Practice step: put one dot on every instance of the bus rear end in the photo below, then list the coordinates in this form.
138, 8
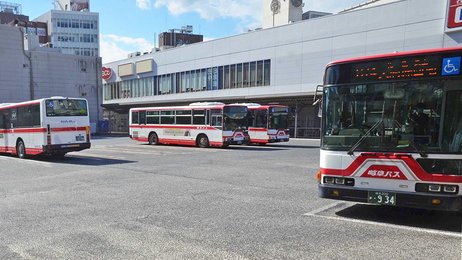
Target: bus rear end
67, 125
269, 124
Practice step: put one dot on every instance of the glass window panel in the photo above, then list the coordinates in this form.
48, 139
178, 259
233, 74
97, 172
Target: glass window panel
267, 73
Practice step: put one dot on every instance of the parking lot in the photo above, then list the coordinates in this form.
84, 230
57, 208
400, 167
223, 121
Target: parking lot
123, 199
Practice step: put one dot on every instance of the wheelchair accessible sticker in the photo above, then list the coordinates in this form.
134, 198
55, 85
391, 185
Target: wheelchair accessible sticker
451, 66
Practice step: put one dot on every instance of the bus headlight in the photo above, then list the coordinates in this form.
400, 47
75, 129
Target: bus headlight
450, 189
434, 188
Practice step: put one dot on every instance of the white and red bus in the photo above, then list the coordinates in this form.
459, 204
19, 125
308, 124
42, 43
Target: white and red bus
392, 130
269, 123
199, 124
49, 126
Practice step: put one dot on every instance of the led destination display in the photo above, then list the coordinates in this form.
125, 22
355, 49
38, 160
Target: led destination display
402, 68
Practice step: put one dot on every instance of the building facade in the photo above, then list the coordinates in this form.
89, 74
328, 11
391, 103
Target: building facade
283, 64
74, 32
28, 71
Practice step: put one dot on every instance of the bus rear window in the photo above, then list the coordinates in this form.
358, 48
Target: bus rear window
66, 107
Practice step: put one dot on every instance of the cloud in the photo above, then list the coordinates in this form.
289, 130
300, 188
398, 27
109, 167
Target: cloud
115, 47
213, 9
143, 4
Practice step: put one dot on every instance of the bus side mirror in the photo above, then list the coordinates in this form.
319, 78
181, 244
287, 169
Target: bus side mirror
317, 99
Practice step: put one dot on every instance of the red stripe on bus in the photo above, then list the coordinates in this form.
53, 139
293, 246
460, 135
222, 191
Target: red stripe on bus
20, 105
257, 129
24, 130
173, 126
260, 141
413, 165
12, 150
68, 129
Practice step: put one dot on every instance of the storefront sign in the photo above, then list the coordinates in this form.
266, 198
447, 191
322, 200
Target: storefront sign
106, 73
454, 17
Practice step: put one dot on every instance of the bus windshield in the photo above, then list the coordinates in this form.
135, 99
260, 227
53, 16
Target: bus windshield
279, 118
66, 107
405, 116
235, 117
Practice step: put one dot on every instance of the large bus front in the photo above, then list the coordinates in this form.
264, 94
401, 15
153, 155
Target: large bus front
67, 125
392, 132
235, 124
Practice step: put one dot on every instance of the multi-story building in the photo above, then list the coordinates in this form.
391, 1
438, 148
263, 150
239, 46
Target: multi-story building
10, 13
281, 64
73, 28
178, 37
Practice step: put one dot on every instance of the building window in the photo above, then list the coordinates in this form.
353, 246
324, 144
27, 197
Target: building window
249, 74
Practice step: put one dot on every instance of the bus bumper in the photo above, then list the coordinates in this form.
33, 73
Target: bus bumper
65, 148
230, 140
410, 200
277, 140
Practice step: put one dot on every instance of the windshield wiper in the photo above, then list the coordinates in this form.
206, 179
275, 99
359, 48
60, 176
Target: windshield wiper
364, 137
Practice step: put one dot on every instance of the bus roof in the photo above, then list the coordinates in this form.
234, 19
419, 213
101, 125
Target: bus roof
395, 54
195, 106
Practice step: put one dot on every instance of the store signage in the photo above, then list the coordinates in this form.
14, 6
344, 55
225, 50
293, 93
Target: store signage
106, 73
454, 14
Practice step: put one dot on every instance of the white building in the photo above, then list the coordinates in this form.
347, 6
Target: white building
73, 28
28, 72
283, 64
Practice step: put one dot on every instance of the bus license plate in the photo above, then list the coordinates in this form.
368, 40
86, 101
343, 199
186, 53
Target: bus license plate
382, 198
79, 138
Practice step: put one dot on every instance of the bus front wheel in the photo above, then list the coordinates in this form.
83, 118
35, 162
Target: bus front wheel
153, 139
21, 149
203, 141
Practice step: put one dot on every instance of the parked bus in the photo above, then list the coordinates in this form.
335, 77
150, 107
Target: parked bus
392, 130
51, 126
199, 124
269, 123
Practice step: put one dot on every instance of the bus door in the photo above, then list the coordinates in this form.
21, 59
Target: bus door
3, 135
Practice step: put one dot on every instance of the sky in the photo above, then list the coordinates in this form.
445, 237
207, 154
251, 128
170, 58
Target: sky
133, 25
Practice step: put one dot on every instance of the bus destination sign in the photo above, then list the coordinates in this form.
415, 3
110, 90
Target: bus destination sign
401, 68
396, 69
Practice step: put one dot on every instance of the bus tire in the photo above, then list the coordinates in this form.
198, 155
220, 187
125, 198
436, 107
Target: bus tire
202, 141
21, 149
153, 138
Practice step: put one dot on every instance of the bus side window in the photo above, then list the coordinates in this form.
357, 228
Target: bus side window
135, 119
142, 118
13, 118
2, 121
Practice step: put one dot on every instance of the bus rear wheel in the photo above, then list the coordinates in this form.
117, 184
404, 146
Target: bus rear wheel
153, 139
21, 149
203, 141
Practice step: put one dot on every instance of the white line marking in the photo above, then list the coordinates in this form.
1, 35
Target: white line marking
416, 229
325, 208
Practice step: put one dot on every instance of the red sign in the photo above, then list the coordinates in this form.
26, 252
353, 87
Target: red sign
107, 73
384, 172
455, 14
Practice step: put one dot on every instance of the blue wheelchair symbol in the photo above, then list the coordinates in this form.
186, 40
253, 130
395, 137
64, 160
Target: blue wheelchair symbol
451, 66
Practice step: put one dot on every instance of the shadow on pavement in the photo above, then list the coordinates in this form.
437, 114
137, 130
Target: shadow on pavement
86, 161
427, 219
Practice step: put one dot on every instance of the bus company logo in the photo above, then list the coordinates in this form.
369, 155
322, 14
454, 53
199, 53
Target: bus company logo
384, 172
106, 73
454, 14
67, 121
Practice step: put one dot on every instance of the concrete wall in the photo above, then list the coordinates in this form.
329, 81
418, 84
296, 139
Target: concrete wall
53, 73
14, 66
